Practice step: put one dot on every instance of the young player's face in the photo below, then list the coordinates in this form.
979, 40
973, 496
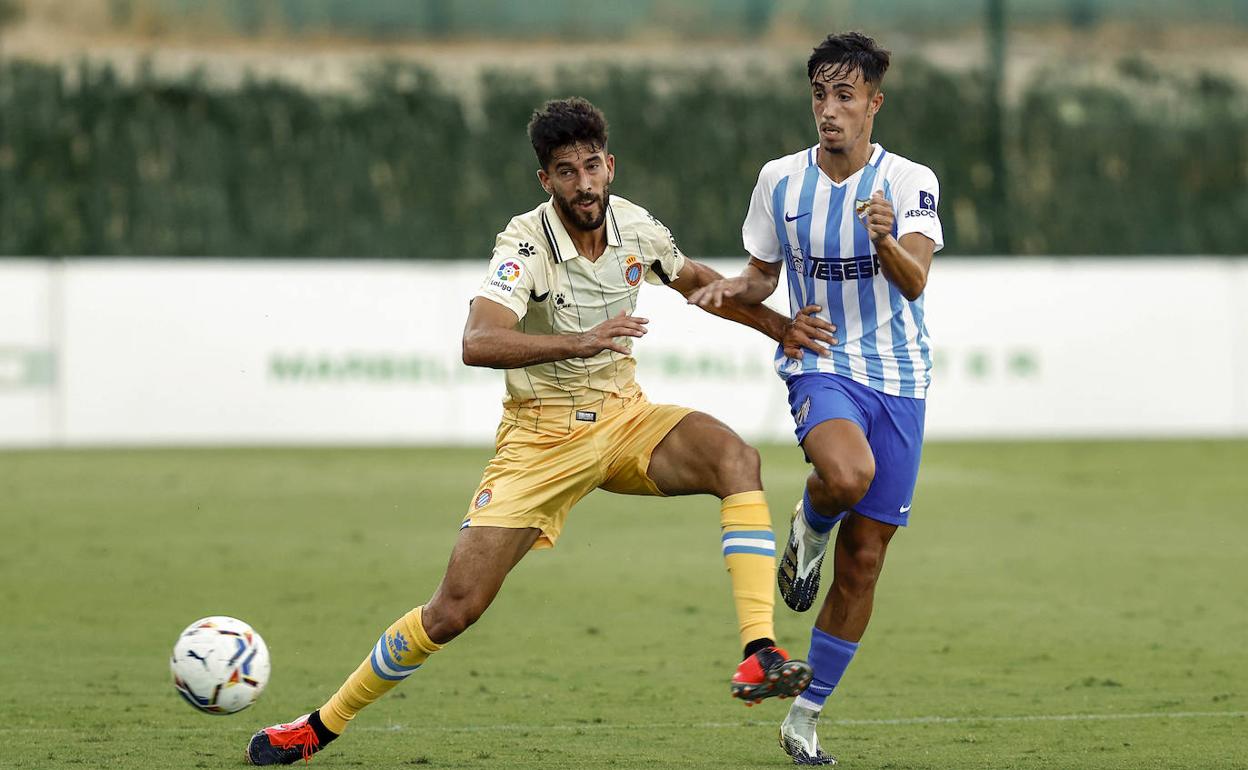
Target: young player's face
579, 178
844, 106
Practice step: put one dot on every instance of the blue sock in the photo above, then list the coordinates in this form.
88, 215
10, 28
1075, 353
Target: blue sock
829, 657
817, 521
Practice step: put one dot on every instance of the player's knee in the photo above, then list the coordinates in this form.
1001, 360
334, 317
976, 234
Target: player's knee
844, 484
446, 620
739, 469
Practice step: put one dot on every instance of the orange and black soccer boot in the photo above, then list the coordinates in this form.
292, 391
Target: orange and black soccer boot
289, 743
768, 673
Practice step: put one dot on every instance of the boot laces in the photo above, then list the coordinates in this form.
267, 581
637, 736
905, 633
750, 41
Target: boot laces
301, 736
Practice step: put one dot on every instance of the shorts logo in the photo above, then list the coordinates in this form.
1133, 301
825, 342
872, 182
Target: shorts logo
803, 412
483, 499
585, 416
634, 271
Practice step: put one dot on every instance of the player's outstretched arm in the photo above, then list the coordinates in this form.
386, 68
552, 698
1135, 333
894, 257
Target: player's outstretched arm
741, 298
492, 340
755, 284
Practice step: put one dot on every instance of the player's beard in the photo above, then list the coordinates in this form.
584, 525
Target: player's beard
579, 219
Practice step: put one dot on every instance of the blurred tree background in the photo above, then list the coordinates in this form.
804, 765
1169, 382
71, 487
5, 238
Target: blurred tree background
412, 163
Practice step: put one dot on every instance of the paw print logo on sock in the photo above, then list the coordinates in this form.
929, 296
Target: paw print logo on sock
526, 250
398, 645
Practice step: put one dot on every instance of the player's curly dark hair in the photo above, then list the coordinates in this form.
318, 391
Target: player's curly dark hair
847, 52
563, 122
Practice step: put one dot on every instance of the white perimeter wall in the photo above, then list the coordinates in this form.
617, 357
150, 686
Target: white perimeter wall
218, 352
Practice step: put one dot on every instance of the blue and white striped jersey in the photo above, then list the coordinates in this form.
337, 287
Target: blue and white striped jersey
798, 214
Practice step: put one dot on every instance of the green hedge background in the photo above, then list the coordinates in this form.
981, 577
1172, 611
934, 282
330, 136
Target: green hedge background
95, 164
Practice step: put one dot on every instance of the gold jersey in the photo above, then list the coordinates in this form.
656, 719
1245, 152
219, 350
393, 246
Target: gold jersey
537, 273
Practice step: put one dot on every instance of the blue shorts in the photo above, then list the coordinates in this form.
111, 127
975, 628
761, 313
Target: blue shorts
893, 426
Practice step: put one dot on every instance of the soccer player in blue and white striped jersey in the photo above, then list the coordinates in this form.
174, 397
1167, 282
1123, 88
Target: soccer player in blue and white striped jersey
855, 227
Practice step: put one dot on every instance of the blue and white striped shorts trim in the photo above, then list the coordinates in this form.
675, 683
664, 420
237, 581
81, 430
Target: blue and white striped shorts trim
387, 667
760, 542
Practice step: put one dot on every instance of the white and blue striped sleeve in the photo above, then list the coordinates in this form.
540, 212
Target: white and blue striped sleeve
758, 232
916, 195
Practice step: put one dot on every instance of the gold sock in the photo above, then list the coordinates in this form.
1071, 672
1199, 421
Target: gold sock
750, 553
399, 652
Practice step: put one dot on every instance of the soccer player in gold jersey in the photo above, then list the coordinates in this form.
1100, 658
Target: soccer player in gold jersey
556, 312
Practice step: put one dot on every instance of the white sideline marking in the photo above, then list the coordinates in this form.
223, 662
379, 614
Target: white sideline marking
841, 722
703, 725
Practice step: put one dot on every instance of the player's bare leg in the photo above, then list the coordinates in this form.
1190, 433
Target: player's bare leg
860, 548
480, 561
479, 564
701, 455
844, 468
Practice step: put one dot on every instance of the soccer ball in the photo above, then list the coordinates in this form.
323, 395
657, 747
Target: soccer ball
220, 665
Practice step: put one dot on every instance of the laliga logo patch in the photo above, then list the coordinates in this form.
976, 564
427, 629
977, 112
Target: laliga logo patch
483, 499
509, 271
633, 271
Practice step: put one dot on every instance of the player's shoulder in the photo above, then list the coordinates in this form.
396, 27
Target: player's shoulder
527, 237
778, 168
527, 224
899, 168
631, 217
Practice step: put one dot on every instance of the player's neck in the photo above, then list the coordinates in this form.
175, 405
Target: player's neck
590, 244
840, 166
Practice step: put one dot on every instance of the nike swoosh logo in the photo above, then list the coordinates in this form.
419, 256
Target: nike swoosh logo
788, 218
540, 297
906, 509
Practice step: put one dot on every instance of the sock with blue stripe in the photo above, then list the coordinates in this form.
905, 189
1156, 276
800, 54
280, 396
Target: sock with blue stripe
816, 520
829, 657
397, 654
750, 553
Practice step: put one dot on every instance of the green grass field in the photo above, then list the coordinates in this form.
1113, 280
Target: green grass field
1052, 605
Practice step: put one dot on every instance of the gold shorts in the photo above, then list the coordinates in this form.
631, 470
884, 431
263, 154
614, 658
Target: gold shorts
547, 459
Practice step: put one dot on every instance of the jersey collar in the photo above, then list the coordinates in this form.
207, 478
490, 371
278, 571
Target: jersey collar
561, 246
877, 156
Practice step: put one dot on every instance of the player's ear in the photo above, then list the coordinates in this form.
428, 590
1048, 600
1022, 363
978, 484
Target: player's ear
610, 168
877, 101
544, 180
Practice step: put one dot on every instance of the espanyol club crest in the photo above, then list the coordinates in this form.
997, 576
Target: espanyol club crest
633, 270
509, 271
483, 499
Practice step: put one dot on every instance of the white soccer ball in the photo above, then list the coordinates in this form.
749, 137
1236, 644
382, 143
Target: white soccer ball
220, 665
